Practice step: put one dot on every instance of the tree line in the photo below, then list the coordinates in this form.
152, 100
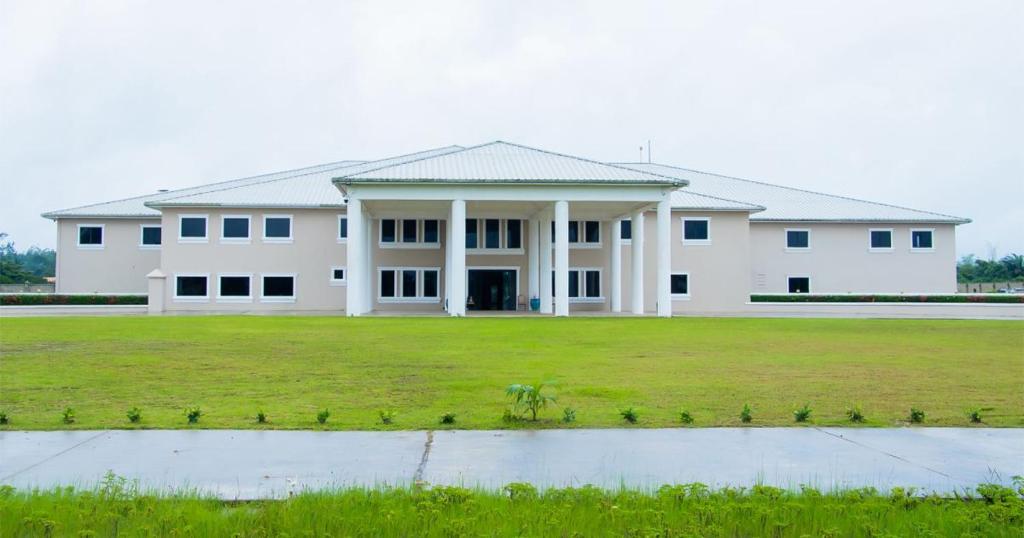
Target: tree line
28, 267
1008, 268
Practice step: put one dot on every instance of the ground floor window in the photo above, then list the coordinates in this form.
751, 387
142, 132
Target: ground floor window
338, 276
191, 287
278, 288
408, 284
234, 288
680, 285
584, 285
799, 284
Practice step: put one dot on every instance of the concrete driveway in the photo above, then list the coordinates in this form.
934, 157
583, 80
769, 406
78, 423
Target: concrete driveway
245, 464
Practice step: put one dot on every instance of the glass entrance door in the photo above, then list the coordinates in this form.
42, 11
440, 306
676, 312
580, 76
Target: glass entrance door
491, 289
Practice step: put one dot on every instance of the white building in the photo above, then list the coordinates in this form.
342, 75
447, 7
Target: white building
491, 227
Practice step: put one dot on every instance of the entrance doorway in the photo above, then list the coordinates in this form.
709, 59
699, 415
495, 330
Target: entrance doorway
491, 289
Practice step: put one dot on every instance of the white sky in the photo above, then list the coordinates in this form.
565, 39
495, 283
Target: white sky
913, 103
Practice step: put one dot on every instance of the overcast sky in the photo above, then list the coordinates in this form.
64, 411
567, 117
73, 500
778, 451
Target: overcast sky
913, 103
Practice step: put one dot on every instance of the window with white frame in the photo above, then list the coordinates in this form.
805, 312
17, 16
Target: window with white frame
582, 233
191, 287
339, 276
192, 229
798, 239
342, 228
880, 239
235, 228
150, 236
277, 228
626, 231
921, 239
409, 233
679, 285
584, 285
90, 236
696, 230
277, 288
408, 284
799, 284
234, 287
494, 236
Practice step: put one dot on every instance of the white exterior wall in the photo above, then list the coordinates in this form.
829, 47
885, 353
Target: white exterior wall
314, 250
119, 267
839, 260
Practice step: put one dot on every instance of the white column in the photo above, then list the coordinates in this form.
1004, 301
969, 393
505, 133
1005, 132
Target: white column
448, 260
616, 265
354, 259
457, 299
545, 265
561, 258
664, 246
533, 259
637, 265
368, 294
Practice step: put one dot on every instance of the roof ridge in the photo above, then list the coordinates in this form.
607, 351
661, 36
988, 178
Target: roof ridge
687, 190
966, 220
495, 142
230, 187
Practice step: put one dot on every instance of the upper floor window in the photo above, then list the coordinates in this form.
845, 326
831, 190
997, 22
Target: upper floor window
880, 239
409, 233
277, 228
150, 236
626, 230
235, 229
697, 230
90, 236
921, 239
582, 233
342, 228
798, 239
192, 229
494, 235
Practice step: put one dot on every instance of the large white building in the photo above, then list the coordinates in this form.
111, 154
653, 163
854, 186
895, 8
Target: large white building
491, 227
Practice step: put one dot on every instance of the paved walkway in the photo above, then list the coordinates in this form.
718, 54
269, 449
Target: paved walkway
242, 464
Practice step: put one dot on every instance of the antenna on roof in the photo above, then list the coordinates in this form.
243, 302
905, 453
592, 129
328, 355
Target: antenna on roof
641, 153
648, 151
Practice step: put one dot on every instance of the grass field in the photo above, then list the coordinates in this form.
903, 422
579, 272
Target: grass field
293, 366
517, 511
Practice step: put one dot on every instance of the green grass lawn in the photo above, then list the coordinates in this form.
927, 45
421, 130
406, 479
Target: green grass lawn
293, 366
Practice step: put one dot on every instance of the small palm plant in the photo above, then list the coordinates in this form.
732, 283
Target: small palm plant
802, 414
68, 416
532, 398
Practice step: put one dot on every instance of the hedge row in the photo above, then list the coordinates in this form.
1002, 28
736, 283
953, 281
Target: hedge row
47, 299
807, 298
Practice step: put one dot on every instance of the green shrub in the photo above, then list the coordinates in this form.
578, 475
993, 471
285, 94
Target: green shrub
68, 415
685, 417
530, 398
193, 414
855, 414
517, 491
568, 415
746, 414
630, 415
261, 417
802, 414
4, 419
916, 415
974, 415
134, 415
387, 416
323, 415
37, 299
448, 418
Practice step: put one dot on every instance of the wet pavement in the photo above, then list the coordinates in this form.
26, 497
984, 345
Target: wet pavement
245, 464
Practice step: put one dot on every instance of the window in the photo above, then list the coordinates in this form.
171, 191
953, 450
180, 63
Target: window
190, 287
409, 284
234, 288
471, 235
880, 239
90, 236
582, 234
278, 288
799, 284
430, 231
338, 276
626, 230
149, 236
492, 233
514, 234
496, 236
234, 229
342, 228
574, 231
696, 231
584, 285
921, 239
387, 230
277, 228
592, 231
798, 239
679, 285
409, 231
192, 228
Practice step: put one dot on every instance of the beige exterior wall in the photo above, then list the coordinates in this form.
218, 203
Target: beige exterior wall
314, 250
839, 260
119, 267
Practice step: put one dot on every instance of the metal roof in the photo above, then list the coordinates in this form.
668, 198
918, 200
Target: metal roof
687, 199
786, 204
503, 162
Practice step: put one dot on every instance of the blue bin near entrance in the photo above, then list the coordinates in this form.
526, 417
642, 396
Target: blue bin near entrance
535, 304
